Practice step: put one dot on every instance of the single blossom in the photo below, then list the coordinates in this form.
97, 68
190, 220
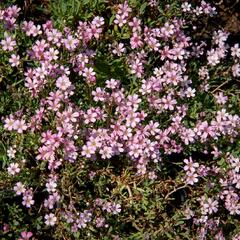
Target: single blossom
50, 219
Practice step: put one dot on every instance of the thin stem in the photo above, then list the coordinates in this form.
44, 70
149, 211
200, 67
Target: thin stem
174, 190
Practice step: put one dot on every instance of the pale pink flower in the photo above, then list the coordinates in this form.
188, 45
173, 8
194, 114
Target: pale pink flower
168, 102
235, 50
50, 219
14, 60
19, 188
112, 83
210, 206
98, 21
191, 178
119, 49
187, 135
221, 98
87, 151
120, 20
236, 70
8, 43
132, 119
116, 208
52, 54
51, 186
9, 123
63, 83
106, 152
20, 126
136, 41
25, 235
88, 72
70, 43
13, 168
190, 165
28, 200
188, 213
135, 24
94, 31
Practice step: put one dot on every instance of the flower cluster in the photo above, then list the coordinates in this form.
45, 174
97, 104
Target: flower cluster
164, 98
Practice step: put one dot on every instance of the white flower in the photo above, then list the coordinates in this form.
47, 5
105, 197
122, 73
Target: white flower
235, 50
50, 219
186, 7
190, 92
11, 152
116, 208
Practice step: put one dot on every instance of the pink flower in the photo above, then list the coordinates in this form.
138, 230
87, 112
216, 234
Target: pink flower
88, 72
99, 95
210, 206
191, 178
51, 186
25, 235
27, 200
187, 135
190, 92
31, 29
168, 102
133, 101
136, 41
63, 83
94, 31
120, 20
52, 54
132, 119
186, 7
190, 165
54, 36
13, 168
91, 116
11, 152
20, 126
87, 151
98, 21
9, 123
14, 60
106, 152
119, 49
137, 68
235, 51
70, 43
8, 43
6, 228
124, 8
135, 24
220, 98
19, 188
236, 70
116, 208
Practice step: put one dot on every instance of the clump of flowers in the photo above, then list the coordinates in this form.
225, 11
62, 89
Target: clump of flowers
105, 106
